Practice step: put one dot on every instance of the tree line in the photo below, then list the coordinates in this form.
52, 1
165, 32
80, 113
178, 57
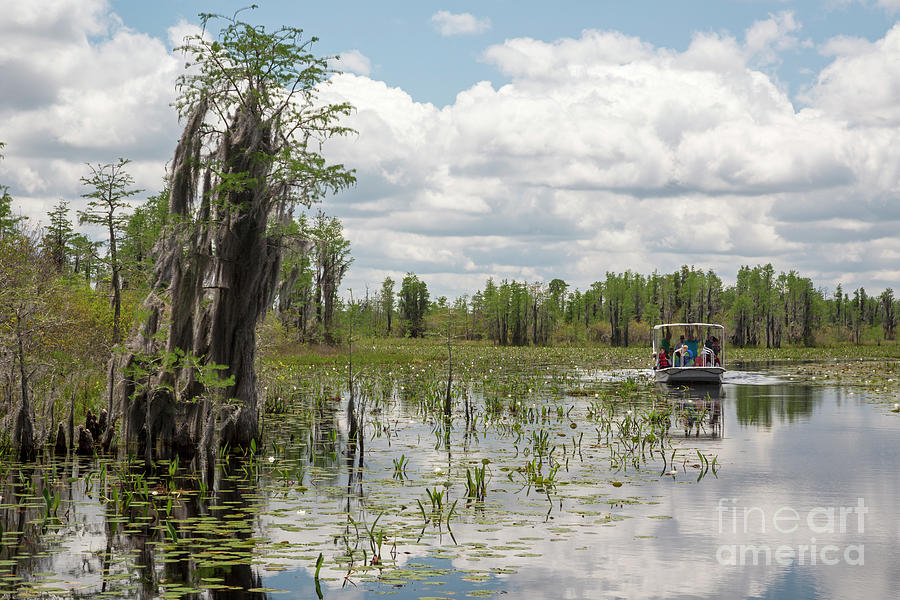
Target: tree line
762, 308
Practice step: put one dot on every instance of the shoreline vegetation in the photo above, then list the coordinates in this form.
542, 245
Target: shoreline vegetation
377, 350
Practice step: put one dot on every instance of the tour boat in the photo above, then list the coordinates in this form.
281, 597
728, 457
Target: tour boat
694, 356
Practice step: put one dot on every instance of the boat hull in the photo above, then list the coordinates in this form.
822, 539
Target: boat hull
690, 375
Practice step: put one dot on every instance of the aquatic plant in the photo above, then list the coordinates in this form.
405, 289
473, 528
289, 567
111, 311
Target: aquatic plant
476, 482
400, 465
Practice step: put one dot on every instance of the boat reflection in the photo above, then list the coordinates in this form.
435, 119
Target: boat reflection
697, 409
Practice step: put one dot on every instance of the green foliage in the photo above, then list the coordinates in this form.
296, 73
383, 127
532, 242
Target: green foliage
207, 374
316, 258
56, 327
762, 308
275, 76
387, 303
109, 185
400, 465
413, 303
58, 235
142, 229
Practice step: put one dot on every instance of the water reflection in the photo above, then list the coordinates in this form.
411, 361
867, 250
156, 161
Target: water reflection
760, 406
697, 409
629, 533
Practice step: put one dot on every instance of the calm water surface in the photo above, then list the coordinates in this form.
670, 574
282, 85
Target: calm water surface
803, 504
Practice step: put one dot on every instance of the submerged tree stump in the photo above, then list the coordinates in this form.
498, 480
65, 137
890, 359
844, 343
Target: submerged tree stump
85, 446
61, 447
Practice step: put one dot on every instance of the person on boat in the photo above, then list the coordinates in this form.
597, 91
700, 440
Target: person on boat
692, 345
662, 359
708, 353
666, 344
716, 347
683, 356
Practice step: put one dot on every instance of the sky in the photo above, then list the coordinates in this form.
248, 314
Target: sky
520, 139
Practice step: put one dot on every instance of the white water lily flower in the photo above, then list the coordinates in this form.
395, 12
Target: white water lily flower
438, 470
301, 512
271, 459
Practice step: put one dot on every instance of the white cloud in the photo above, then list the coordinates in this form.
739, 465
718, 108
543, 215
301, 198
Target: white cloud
765, 39
606, 153
354, 61
862, 84
449, 24
181, 30
85, 89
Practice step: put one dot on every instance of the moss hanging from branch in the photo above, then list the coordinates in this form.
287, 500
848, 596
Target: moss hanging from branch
248, 156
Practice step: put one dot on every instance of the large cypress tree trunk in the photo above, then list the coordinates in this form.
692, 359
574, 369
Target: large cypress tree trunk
215, 278
252, 123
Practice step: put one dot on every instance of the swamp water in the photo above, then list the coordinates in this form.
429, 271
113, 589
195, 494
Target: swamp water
594, 485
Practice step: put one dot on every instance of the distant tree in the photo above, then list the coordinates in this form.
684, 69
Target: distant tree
413, 303
888, 316
296, 282
558, 289
110, 185
85, 256
461, 307
58, 235
332, 261
26, 320
142, 229
387, 301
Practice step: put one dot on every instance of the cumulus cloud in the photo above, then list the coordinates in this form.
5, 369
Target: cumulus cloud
179, 32
607, 153
86, 89
449, 24
764, 40
354, 61
862, 83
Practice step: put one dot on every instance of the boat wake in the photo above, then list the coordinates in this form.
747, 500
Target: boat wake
750, 378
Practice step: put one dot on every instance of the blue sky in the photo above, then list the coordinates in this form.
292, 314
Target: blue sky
407, 51
521, 139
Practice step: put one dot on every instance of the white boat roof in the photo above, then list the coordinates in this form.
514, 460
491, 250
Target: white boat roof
688, 325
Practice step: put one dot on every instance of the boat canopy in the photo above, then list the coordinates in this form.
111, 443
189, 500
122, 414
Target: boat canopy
694, 336
664, 325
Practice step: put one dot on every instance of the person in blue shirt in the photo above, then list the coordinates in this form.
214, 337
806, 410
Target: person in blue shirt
683, 356
692, 345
